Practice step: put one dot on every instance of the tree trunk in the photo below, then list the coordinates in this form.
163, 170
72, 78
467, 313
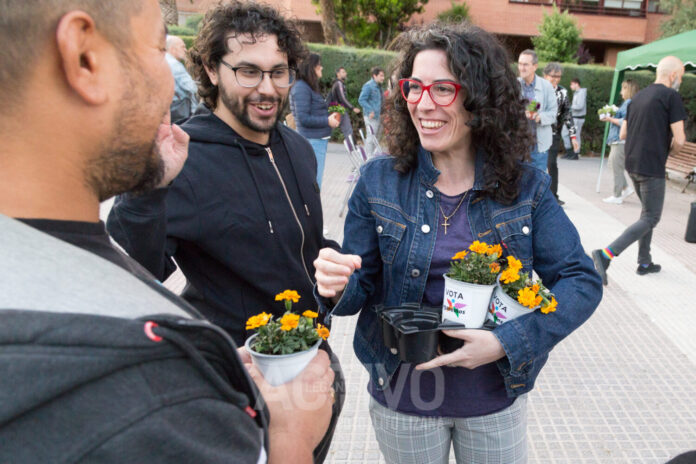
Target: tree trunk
328, 21
169, 11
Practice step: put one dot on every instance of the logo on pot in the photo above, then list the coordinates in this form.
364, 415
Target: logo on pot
453, 306
497, 310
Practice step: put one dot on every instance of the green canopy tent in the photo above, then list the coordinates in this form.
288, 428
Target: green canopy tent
683, 46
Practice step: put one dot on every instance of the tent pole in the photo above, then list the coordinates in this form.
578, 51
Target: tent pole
618, 76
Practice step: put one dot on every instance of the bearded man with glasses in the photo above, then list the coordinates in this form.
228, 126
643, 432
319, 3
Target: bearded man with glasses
243, 219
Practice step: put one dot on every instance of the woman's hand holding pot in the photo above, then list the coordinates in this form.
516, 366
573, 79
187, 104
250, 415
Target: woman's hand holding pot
332, 271
480, 347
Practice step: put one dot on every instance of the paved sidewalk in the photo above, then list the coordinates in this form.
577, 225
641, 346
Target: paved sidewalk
622, 388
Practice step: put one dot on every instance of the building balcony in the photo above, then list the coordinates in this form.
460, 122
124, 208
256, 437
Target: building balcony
631, 8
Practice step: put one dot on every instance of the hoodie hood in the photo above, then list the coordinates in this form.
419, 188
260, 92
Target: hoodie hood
208, 128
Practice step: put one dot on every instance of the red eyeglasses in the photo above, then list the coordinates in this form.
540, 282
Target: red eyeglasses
441, 93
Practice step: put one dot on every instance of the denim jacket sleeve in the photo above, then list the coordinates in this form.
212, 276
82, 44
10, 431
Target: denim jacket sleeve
560, 261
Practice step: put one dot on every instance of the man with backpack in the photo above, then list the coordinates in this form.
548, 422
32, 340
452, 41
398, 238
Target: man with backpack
337, 95
100, 362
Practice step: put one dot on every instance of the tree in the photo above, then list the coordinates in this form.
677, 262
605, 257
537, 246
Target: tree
366, 23
169, 11
559, 37
683, 16
456, 14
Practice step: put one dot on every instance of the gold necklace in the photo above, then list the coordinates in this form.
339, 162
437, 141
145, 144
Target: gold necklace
447, 218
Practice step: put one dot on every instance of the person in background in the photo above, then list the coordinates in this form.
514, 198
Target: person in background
312, 118
553, 73
579, 109
541, 121
653, 129
87, 375
459, 143
185, 89
617, 154
370, 100
337, 94
243, 219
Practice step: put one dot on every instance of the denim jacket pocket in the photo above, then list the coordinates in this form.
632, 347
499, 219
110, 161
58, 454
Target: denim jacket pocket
389, 234
516, 234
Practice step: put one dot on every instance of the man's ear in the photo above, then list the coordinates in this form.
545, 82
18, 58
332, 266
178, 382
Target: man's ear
81, 51
212, 74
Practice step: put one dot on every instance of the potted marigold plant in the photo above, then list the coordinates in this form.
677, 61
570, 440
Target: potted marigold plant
469, 284
283, 346
336, 108
517, 294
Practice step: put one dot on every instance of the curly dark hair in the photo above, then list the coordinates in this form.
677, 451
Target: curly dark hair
491, 94
237, 18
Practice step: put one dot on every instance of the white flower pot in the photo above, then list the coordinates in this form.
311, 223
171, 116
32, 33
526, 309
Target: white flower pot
278, 369
466, 303
504, 308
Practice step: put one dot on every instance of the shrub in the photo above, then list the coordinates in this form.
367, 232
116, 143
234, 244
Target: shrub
188, 40
181, 30
194, 22
456, 14
559, 37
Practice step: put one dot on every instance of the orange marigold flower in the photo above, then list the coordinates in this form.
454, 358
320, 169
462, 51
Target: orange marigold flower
493, 249
528, 298
535, 288
551, 307
310, 314
479, 247
291, 295
254, 322
495, 268
459, 255
289, 321
322, 331
509, 276
514, 263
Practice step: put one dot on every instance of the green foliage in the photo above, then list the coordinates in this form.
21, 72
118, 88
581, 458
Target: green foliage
559, 37
188, 40
476, 267
181, 30
683, 17
272, 339
358, 62
194, 22
456, 14
373, 23
598, 79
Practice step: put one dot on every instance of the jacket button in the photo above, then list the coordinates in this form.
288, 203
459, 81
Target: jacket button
415, 273
425, 228
380, 229
429, 193
380, 381
394, 351
525, 230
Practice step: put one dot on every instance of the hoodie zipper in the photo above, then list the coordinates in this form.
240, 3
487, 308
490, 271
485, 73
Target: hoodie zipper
294, 213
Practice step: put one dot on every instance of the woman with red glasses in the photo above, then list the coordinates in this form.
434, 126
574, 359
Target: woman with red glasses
458, 140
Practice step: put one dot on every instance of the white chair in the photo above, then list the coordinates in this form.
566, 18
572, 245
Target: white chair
375, 142
357, 159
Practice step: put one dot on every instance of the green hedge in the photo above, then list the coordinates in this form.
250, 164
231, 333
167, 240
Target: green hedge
597, 80
358, 63
188, 40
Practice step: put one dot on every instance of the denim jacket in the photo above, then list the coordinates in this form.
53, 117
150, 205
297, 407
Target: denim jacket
391, 224
613, 128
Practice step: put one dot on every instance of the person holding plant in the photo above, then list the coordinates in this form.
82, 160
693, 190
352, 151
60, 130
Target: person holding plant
617, 154
311, 111
457, 174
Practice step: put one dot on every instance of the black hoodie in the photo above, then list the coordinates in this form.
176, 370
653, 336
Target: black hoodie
242, 220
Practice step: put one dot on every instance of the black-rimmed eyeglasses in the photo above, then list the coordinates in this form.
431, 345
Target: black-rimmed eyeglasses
251, 76
441, 93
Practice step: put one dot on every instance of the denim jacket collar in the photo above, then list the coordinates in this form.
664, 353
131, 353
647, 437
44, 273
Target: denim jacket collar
429, 173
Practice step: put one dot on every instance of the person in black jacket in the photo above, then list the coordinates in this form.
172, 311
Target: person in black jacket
100, 363
243, 219
337, 94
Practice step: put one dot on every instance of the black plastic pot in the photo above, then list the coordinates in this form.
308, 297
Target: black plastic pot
417, 338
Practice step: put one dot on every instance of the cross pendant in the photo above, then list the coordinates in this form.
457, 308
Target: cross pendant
446, 224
